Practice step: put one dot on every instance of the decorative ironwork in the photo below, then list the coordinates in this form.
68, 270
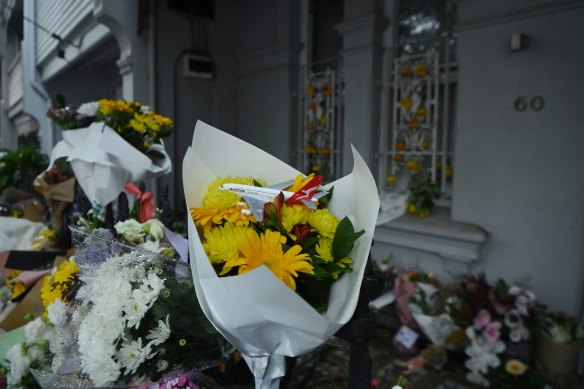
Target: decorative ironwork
322, 123
414, 135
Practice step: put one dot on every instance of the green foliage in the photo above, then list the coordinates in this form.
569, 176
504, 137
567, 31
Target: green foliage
422, 194
344, 240
19, 168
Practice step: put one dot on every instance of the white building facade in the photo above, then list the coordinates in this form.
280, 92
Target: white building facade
516, 201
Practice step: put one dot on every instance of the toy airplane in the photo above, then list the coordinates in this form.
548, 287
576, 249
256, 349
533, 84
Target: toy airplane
256, 196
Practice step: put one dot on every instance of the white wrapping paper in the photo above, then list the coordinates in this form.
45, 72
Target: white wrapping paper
103, 162
255, 311
17, 234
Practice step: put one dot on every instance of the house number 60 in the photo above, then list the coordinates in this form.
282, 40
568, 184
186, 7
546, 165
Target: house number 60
536, 104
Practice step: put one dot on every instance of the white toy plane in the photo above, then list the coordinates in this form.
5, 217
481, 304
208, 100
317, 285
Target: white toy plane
256, 196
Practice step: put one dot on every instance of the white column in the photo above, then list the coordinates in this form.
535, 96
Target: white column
361, 55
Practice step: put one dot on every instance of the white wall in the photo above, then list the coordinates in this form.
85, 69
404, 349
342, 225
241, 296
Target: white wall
518, 174
268, 55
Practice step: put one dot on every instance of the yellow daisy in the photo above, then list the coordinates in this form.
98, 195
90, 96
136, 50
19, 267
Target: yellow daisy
515, 367
207, 217
220, 244
266, 249
324, 222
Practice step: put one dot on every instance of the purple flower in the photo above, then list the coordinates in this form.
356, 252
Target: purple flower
482, 319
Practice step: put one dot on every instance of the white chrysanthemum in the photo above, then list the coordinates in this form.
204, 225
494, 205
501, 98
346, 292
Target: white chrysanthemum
156, 229
135, 309
19, 364
132, 230
96, 339
152, 286
159, 334
132, 355
57, 312
36, 329
88, 109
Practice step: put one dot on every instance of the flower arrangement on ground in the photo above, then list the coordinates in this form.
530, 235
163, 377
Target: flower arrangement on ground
257, 310
485, 320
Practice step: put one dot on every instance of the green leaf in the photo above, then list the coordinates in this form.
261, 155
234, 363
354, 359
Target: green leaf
344, 239
61, 102
256, 183
308, 243
326, 199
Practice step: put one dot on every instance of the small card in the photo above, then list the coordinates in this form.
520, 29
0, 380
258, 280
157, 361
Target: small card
406, 336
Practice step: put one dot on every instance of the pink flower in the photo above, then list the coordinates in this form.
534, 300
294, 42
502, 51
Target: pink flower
482, 319
499, 307
493, 331
375, 382
182, 382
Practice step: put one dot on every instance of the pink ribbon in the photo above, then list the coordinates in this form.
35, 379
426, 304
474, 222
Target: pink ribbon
147, 208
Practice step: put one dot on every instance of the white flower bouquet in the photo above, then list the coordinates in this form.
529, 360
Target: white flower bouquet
120, 319
121, 145
258, 313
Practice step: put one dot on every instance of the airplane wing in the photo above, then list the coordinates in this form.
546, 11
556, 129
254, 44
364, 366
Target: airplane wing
256, 206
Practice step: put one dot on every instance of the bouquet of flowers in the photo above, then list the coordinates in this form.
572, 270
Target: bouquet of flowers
494, 317
560, 327
115, 315
120, 143
271, 253
57, 184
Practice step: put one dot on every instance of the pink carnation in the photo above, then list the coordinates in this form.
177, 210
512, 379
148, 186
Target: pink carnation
493, 331
482, 319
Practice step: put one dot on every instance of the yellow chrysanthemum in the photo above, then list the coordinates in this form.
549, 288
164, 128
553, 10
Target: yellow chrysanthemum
107, 107
65, 270
17, 287
515, 367
222, 199
48, 293
294, 214
324, 222
324, 249
221, 245
341, 263
53, 288
300, 181
138, 124
266, 249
